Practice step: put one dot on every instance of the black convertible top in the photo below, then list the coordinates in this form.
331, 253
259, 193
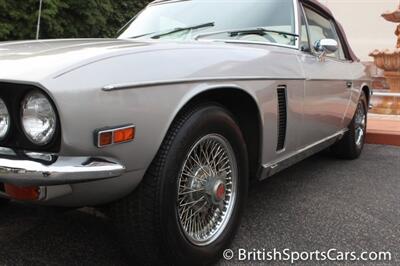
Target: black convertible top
324, 10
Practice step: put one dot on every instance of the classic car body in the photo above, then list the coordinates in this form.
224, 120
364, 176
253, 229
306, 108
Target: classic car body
98, 84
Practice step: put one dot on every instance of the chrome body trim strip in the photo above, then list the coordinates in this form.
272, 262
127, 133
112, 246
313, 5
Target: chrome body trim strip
344, 80
61, 171
386, 94
251, 42
133, 85
296, 23
272, 168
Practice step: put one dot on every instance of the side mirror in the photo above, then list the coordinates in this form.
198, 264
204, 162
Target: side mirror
326, 46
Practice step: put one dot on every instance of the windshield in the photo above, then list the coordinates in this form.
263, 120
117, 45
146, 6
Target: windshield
186, 19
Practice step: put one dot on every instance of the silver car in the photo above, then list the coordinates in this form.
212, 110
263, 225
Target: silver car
165, 127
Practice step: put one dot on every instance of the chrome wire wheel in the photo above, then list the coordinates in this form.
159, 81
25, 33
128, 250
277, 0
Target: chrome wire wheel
207, 188
360, 125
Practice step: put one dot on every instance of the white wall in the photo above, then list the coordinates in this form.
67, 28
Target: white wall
364, 26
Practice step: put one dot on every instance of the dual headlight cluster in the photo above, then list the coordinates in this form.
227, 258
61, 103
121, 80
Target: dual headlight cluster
38, 118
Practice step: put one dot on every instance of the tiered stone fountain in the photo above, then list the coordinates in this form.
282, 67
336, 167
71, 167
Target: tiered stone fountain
388, 102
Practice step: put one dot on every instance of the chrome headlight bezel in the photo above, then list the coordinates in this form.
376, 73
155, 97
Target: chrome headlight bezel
4, 107
36, 105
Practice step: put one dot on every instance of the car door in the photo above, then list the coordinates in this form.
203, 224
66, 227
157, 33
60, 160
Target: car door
328, 80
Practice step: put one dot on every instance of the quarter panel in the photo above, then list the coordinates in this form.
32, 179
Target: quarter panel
362, 78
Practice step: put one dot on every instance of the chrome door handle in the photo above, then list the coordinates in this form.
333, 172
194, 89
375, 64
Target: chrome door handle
349, 84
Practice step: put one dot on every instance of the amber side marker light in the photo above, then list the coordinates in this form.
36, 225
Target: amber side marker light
22, 193
115, 136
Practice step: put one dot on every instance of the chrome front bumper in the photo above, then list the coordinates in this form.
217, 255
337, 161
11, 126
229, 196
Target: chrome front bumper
37, 169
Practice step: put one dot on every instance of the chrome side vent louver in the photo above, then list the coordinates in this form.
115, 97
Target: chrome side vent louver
282, 116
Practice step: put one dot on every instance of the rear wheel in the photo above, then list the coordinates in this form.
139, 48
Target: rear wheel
352, 144
187, 208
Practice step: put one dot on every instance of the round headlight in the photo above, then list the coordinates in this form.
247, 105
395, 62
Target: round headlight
39, 119
4, 119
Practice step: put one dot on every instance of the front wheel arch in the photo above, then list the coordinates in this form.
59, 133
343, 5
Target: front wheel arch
244, 108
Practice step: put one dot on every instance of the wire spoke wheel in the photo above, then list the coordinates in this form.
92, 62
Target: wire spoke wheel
188, 207
207, 189
360, 125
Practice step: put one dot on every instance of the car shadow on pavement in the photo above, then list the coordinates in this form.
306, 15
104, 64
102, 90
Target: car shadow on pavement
32, 235
320, 203
40, 235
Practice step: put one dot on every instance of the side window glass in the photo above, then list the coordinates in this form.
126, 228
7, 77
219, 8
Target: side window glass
341, 54
305, 40
322, 28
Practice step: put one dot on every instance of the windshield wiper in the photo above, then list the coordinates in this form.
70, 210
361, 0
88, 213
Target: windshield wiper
157, 35
200, 26
142, 35
259, 31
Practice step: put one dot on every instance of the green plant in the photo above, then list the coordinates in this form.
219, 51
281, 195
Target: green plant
65, 18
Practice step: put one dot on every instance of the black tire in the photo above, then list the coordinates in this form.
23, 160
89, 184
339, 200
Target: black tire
349, 147
147, 220
4, 202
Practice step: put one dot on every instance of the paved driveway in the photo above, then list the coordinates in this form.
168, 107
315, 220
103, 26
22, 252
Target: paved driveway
319, 204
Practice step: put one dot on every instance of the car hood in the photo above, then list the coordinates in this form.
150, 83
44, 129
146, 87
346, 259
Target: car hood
33, 61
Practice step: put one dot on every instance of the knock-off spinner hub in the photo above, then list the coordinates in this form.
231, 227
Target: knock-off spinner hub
206, 183
216, 190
